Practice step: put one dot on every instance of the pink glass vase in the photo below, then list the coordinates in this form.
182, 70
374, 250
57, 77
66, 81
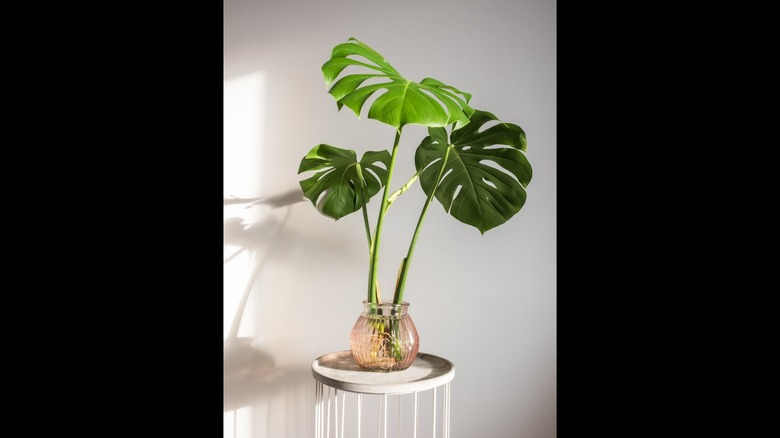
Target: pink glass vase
384, 337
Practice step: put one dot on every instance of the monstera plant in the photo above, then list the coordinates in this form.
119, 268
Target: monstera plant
471, 162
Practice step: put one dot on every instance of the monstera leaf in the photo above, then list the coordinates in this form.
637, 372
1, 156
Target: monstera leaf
429, 102
486, 172
343, 185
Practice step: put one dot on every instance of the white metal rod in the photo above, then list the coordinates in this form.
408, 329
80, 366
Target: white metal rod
384, 399
317, 386
379, 417
446, 414
343, 411
443, 411
327, 423
415, 414
359, 403
322, 414
433, 435
399, 415
336, 414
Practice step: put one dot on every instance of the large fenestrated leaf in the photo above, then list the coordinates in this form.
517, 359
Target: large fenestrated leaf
336, 189
486, 172
400, 101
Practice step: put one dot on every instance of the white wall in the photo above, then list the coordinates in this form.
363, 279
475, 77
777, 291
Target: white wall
487, 303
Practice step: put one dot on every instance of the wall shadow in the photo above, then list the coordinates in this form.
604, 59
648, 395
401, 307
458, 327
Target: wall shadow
266, 236
251, 376
250, 372
276, 401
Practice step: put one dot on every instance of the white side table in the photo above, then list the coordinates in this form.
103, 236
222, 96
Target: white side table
337, 376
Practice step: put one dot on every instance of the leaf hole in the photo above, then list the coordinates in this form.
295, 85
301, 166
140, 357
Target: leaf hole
494, 165
489, 182
322, 198
497, 146
436, 99
457, 192
454, 197
427, 165
446, 174
489, 124
371, 171
379, 164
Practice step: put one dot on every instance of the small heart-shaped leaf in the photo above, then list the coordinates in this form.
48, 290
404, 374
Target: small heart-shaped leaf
342, 184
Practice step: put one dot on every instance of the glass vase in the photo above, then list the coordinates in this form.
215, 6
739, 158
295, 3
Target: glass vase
384, 337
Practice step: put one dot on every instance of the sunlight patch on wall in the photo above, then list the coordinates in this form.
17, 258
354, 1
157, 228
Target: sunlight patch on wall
236, 423
244, 119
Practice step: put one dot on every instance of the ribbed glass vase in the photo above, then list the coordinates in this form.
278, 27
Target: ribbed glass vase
384, 337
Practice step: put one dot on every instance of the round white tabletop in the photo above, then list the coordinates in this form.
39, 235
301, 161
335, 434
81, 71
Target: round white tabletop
339, 370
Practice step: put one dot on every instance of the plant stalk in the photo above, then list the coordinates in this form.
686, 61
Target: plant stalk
398, 297
372, 271
400, 191
363, 201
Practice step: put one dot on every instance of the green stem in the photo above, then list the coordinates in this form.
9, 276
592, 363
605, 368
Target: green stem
400, 191
372, 270
364, 196
401, 282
